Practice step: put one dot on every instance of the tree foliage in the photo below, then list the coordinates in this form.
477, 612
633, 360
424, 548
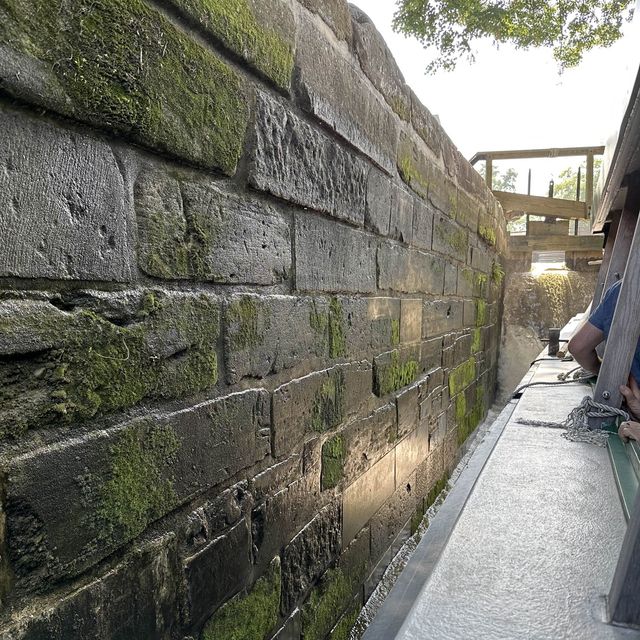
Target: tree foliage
569, 27
501, 181
566, 184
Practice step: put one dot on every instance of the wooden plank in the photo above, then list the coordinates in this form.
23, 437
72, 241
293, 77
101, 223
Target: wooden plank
538, 205
551, 152
588, 190
622, 246
606, 259
555, 243
624, 595
623, 335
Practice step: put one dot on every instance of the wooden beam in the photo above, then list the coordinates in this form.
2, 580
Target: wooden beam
588, 189
606, 259
624, 595
558, 152
623, 335
555, 243
537, 205
622, 246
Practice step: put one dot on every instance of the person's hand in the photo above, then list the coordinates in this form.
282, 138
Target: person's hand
629, 430
631, 394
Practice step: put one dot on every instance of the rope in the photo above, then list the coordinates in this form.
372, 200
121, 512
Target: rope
577, 422
552, 383
578, 374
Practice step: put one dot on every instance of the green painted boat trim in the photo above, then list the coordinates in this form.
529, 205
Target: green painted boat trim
624, 471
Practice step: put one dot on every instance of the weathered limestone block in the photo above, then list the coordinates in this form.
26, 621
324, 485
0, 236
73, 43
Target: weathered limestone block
260, 339
480, 258
449, 238
469, 313
363, 443
397, 511
330, 258
422, 224
317, 403
309, 555
443, 193
468, 214
335, 13
379, 65
366, 495
114, 483
355, 560
408, 409
401, 223
378, 210
252, 614
450, 279
138, 598
127, 69
431, 355
298, 163
426, 125
441, 316
333, 89
414, 164
411, 320
189, 229
163, 345
261, 32
409, 270
396, 369
76, 181
218, 572
411, 451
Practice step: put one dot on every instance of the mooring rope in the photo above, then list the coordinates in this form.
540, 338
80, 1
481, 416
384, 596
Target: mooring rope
577, 422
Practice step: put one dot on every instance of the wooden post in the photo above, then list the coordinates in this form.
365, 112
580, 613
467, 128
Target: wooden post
606, 258
624, 595
624, 237
488, 172
588, 187
625, 329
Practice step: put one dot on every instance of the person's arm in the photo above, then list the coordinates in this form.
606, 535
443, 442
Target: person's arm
629, 431
583, 347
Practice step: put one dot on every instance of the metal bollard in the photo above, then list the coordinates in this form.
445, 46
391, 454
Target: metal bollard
554, 342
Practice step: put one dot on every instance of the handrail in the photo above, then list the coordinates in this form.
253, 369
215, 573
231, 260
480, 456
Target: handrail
524, 154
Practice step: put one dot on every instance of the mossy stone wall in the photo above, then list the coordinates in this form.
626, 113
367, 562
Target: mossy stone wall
250, 298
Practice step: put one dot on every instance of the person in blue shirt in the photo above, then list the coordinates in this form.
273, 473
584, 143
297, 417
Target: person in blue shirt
583, 348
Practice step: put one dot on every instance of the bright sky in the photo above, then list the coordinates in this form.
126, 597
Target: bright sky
514, 99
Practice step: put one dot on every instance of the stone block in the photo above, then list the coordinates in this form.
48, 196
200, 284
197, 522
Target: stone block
259, 339
411, 451
480, 259
150, 82
113, 483
76, 181
218, 572
396, 512
333, 89
317, 403
331, 258
309, 555
292, 628
366, 441
366, 495
190, 228
408, 410
441, 316
449, 238
429, 473
252, 614
411, 320
300, 164
260, 32
409, 270
469, 313
335, 13
396, 369
105, 352
379, 65
355, 560
401, 221
378, 210
414, 163
138, 598
468, 212
466, 282
431, 355
450, 279
426, 125
422, 224
443, 193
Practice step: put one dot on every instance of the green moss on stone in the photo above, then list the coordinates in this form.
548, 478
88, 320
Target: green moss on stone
318, 320
497, 272
396, 374
461, 408
462, 376
395, 332
325, 605
481, 313
329, 403
138, 491
234, 23
333, 454
487, 234
337, 338
401, 107
417, 517
476, 341
342, 631
436, 490
252, 616
412, 175
243, 317
124, 67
